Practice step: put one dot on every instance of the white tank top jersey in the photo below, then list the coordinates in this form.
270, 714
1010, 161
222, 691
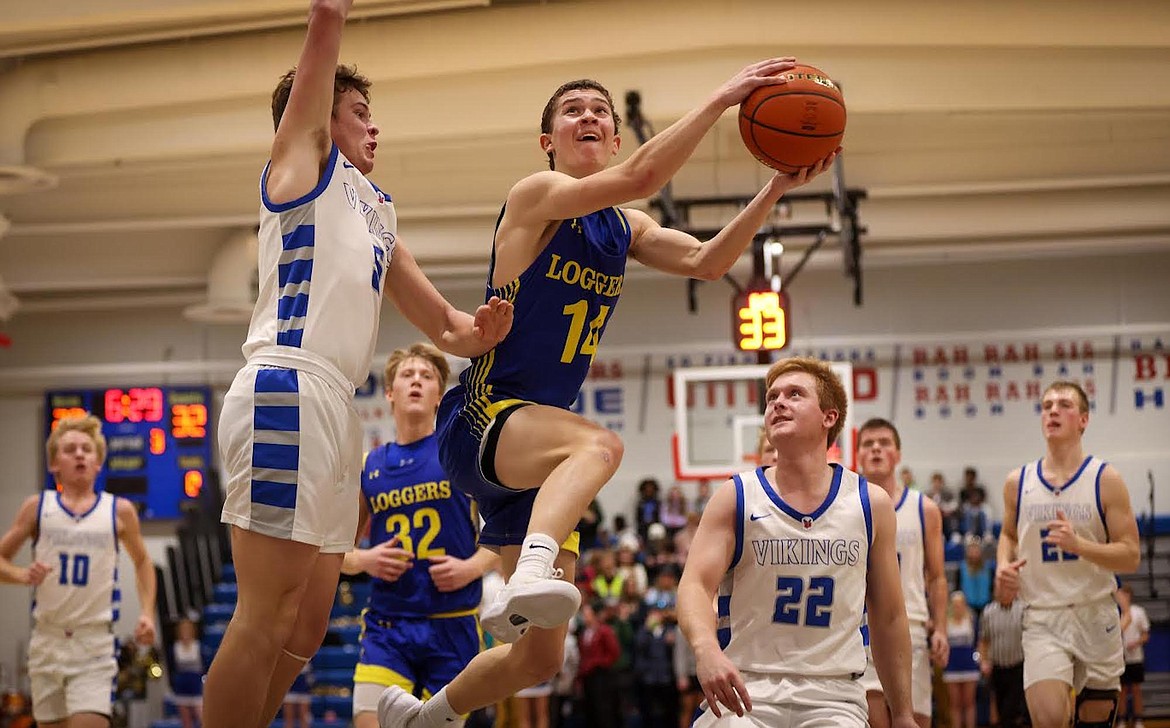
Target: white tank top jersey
912, 554
1053, 578
81, 590
322, 262
793, 598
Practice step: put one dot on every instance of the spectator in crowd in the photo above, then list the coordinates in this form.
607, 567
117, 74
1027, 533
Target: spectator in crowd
907, 476
975, 576
607, 584
974, 518
664, 593
971, 486
624, 535
624, 618
944, 498
1135, 632
1001, 651
648, 509
531, 705
682, 539
633, 573
654, 665
674, 511
599, 650
701, 498
962, 671
565, 684
686, 675
590, 525
659, 551
187, 678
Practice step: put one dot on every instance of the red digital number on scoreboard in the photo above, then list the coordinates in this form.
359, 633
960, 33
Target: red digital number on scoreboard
138, 404
188, 420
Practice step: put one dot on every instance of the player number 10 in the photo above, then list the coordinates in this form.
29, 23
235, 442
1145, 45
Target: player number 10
580, 311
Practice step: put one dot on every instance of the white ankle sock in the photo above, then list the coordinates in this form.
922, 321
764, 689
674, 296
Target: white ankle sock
536, 556
438, 712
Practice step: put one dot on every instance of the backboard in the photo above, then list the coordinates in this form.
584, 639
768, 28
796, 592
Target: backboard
718, 413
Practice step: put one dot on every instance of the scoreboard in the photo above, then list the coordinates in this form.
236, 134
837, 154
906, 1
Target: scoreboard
158, 442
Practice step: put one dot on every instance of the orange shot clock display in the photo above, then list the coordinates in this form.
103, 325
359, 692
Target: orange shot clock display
760, 320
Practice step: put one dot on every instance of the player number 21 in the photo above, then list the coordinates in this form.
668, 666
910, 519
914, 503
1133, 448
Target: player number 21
398, 525
579, 312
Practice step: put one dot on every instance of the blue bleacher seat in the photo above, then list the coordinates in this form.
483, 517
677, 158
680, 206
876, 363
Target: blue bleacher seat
168, 723
343, 706
226, 593
215, 613
212, 636
342, 657
229, 573
338, 678
348, 634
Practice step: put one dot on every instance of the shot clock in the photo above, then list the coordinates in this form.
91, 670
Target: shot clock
759, 320
158, 441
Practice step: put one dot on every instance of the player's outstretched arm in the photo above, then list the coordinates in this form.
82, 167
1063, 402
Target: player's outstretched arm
711, 553
674, 251
936, 582
554, 196
130, 534
1122, 553
303, 139
1007, 569
889, 629
21, 530
453, 331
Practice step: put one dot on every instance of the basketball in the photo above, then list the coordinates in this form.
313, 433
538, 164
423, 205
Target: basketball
796, 124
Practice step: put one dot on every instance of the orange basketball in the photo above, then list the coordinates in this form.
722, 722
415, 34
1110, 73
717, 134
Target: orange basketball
796, 124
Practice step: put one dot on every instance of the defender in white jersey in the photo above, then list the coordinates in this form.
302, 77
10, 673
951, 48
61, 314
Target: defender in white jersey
75, 533
921, 564
1068, 528
784, 563
289, 436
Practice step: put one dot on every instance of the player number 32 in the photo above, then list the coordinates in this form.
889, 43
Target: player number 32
399, 525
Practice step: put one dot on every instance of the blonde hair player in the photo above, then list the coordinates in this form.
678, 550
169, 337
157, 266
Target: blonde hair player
420, 628
506, 434
1068, 528
921, 565
288, 434
784, 564
74, 574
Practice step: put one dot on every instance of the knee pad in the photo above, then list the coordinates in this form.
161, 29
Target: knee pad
1095, 695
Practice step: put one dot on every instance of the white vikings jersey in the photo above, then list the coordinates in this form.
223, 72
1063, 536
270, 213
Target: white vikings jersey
82, 551
792, 601
1053, 578
323, 260
912, 554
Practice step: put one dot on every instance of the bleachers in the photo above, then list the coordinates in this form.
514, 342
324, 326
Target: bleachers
332, 667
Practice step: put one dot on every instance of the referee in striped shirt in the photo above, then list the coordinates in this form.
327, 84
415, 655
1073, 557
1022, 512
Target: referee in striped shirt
1001, 652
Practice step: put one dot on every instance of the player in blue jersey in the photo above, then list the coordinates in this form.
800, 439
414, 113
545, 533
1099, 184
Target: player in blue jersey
506, 435
74, 572
1068, 529
796, 552
420, 628
289, 437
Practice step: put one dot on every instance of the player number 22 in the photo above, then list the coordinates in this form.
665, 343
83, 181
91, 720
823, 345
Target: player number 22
816, 600
399, 525
579, 312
